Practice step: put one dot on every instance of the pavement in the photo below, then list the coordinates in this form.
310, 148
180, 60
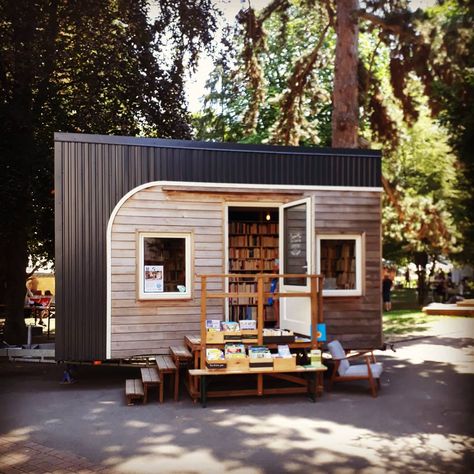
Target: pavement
422, 420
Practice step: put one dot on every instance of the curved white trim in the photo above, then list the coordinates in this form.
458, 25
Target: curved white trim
230, 186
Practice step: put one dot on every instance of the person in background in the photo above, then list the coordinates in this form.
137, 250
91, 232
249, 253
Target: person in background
275, 302
386, 289
441, 288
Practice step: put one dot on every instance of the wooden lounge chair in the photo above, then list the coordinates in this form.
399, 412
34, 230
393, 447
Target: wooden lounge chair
344, 371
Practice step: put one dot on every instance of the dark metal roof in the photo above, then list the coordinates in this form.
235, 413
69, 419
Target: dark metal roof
93, 172
198, 145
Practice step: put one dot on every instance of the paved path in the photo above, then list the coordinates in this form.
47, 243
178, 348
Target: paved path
422, 421
19, 455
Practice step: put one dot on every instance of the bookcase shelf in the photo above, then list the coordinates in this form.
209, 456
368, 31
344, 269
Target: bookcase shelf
338, 265
253, 248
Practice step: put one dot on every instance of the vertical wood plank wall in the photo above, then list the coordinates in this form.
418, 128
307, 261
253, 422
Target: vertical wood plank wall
356, 321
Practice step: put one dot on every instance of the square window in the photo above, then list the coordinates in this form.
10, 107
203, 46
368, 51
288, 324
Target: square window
339, 260
164, 266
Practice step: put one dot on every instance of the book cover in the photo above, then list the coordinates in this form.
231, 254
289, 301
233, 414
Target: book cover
259, 352
230, 326
248, 324
284, 351
234, 351
213, 324
214, 354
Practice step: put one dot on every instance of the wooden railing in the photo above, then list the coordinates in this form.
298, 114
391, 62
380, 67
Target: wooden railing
315, 294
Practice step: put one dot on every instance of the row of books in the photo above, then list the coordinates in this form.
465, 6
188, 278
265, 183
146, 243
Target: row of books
253, 228
251, 265
242, 312
337, 250
253, 241
214, 325
253, 252
238, 351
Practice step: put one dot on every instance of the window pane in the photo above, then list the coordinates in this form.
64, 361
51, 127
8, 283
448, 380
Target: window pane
164, 265
295, 260
338, 264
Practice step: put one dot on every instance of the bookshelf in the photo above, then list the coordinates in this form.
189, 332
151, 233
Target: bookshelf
253, 249
338, 264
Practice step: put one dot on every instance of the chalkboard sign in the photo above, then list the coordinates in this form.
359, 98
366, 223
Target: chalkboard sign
295, 249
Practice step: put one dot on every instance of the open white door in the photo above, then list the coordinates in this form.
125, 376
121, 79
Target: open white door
296, 256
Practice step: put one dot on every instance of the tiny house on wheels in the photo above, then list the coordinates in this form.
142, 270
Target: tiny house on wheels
138, 218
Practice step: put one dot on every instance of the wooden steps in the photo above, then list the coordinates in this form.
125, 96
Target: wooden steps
181, 357
166, 366
134, 390
150, 378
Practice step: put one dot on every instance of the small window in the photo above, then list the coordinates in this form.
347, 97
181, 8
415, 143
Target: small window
164, 266
340, 261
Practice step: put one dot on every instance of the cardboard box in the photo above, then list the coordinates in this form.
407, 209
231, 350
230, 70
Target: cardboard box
241, 363
280, 363
215, 337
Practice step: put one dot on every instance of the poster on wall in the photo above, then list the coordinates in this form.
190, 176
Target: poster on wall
154, 279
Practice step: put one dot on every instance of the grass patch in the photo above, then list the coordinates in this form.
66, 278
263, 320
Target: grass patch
406, 321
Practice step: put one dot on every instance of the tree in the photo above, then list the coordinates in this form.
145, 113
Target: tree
92, 67
409, 64
345, 114
294, 78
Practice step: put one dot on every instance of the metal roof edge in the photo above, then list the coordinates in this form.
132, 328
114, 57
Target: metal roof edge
210, 146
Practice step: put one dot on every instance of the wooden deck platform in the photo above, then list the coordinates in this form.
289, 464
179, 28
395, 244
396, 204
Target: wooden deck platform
443, 309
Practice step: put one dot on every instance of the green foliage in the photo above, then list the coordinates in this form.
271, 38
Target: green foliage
89, 67
406, 323
454, 93
287, 38
82, 66
408, 60
423, 172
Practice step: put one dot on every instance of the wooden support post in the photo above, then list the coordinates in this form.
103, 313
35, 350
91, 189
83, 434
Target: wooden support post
314, 311
260, 384
203, 320
260, 308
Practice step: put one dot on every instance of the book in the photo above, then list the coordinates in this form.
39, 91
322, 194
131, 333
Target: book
234, 350
248, 324
214, 354
213, 325
259, 352
284, 352
230, 326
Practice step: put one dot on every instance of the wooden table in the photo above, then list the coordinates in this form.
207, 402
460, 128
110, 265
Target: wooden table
310, 385
193, 343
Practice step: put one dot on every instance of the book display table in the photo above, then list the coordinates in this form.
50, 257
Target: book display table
262, 373
308, 383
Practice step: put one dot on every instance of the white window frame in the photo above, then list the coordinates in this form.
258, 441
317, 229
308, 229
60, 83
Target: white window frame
170, 295
357, 291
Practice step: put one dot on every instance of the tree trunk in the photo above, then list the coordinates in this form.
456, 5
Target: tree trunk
16, 261
17, 143
345, 113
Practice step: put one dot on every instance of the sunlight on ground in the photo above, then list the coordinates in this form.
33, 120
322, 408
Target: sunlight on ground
463, 363
318, 443
174, 459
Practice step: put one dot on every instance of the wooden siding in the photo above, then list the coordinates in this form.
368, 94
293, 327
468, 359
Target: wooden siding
356, 321
144, 327
150, 327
